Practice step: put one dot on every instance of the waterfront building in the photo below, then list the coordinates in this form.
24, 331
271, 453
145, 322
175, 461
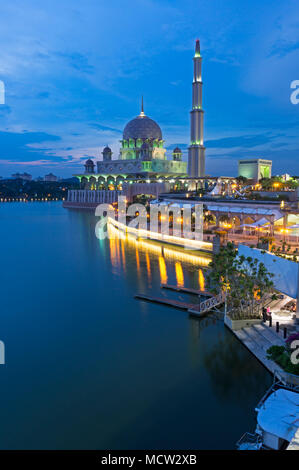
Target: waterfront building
50, 177
255, 169
286, 177
22, 176
142, 158
196, 151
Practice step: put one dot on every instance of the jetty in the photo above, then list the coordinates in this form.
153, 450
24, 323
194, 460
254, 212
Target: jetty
208, 305
169, 302
187, 290
199, 310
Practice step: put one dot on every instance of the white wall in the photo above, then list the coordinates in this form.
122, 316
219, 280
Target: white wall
285, 271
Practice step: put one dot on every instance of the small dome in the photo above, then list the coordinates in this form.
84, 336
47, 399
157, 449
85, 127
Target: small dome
106, 149
142, 127
177, 150
89, 162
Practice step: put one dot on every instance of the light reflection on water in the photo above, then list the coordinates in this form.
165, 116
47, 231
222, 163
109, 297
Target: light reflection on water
168, 257
179, 274
89, 366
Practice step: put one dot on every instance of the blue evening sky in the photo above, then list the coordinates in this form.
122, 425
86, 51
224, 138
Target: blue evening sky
74, 72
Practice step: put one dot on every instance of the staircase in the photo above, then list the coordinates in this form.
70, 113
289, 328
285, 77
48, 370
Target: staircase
259, 338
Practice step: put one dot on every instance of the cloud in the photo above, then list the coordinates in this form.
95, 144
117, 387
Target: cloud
105, 128
245, 141
281, 159
74, 73
16, 146
273, 62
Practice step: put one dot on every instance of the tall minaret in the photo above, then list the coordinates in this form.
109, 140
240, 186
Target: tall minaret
196, 153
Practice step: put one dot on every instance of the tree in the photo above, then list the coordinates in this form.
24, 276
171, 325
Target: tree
241, 179
245, 280
208, 218
291, 184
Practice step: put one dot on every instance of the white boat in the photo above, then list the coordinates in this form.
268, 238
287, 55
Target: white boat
277, 420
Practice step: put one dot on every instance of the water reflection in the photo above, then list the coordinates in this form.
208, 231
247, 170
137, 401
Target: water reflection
229, 364
115, 260
137, 259
148, 266
233, 374
163, 270
151, 383
147, 253
201, 280
179, 274
123, 254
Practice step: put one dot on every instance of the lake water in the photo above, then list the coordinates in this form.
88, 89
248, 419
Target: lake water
90, 367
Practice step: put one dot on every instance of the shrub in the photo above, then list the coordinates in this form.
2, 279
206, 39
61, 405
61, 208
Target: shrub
274, 352
292, 368
281, 356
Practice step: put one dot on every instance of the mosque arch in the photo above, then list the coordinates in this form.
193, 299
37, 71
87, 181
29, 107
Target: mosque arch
110, 182
129, 179
84, 182
110, 179
119, 180
101, 182
92, 182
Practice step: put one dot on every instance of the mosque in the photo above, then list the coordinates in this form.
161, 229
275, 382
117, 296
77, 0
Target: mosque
142, 157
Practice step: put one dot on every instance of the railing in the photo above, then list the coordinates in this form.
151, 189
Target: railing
142, 233
249, 442
286, 380
211, 302
281, 379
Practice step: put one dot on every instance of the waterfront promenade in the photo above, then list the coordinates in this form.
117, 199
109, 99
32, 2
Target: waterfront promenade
258, 339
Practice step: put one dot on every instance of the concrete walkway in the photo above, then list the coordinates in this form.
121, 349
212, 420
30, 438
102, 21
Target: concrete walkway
259, 338
294, 444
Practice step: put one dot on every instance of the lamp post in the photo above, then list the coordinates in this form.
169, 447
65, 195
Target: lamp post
225, 301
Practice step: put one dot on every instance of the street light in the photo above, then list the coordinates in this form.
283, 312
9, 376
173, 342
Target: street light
284, 231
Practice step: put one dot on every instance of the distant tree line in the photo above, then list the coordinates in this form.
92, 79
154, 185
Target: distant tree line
21, 189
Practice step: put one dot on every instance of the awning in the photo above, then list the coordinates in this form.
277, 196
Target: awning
261, 222
245, 210
279, 414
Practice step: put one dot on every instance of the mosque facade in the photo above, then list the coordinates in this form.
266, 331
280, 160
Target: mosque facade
142, 156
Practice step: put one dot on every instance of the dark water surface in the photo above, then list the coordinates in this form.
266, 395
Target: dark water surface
88, 366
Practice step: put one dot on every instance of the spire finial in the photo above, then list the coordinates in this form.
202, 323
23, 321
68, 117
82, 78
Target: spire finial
142, 111
197, 48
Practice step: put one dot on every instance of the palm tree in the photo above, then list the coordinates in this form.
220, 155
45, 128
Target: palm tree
207, 219
245, 281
